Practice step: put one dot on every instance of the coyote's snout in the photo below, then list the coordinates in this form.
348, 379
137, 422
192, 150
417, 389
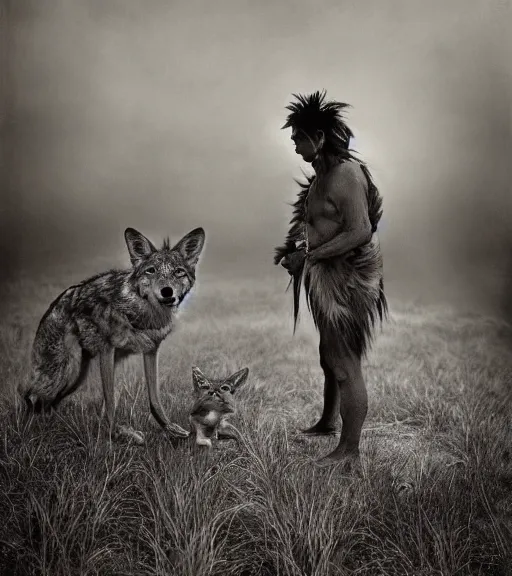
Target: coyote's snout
112, 315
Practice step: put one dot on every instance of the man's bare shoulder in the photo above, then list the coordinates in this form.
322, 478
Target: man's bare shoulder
346, 178
348, 171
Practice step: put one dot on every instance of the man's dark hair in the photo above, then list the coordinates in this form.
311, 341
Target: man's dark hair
313, 112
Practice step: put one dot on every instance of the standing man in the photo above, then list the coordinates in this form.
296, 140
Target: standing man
331, 248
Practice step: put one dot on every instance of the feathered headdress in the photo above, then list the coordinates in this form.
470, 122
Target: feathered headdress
312, 112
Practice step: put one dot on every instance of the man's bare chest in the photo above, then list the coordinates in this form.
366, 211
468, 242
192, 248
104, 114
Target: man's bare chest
318, 203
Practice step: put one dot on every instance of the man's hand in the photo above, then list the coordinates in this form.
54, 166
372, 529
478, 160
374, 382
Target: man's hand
282, 251
294, 262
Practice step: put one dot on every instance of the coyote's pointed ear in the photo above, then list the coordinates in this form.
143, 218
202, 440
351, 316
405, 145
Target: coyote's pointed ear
191, 245
199, 379
139, 246
236, 380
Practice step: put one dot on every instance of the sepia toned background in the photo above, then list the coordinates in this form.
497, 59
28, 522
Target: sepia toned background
166, 115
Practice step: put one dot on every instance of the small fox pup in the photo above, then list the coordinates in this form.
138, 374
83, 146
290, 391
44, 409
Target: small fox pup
110, 316
214, 403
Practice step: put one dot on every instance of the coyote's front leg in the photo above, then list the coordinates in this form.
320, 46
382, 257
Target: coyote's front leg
228, 432
151, 372
107, 372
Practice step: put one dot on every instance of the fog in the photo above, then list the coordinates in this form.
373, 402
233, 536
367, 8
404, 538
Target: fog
166, 115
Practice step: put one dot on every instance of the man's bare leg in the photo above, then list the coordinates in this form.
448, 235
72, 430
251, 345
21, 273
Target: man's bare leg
346, 367
326, 426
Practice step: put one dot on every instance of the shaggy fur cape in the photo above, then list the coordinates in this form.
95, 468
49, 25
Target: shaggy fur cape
344, 293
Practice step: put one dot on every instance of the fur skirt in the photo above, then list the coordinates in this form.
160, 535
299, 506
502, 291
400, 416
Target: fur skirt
346, 295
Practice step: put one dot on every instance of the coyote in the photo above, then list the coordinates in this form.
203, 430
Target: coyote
111, 316
214, 403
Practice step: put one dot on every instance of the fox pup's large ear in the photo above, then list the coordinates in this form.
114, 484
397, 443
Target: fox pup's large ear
191, 245
139, 246
199, 379
236, 380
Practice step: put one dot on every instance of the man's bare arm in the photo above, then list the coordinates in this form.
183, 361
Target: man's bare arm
348, 193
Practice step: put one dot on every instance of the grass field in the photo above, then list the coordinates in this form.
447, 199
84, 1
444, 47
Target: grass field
435, 499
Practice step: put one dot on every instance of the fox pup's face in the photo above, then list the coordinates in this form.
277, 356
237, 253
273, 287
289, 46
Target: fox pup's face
220, 389
164, 277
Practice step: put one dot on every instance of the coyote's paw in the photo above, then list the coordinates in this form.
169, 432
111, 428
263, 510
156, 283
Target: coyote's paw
204, 443
130, 433
176, 431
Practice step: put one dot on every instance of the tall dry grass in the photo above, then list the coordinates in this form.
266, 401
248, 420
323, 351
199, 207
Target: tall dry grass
435, 497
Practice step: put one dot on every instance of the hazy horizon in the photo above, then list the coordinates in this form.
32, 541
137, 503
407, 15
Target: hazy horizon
167, 116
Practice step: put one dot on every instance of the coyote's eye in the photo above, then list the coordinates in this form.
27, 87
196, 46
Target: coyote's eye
225, 388
150, 271
180, 272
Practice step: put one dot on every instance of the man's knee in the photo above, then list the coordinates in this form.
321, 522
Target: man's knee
341, 374
336, 367
337, 359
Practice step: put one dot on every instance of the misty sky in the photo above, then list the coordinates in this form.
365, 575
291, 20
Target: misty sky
165, 116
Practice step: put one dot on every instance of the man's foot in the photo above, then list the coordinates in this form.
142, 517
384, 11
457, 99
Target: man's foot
176, 431
319, 430
349, 462
130, 433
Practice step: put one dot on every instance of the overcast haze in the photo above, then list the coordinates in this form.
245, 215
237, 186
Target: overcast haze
166, 115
